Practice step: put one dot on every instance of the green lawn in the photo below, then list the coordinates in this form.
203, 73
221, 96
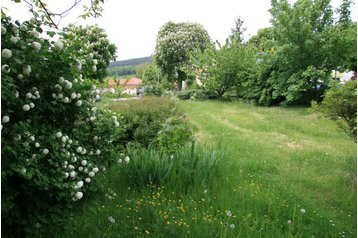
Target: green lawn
288, 173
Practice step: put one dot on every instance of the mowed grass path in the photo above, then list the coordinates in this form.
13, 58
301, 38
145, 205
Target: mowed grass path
290, 172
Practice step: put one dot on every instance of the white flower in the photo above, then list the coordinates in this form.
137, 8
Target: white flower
111, 219
79, 184
45, 151
66, 175
20, 76
58, 45
3, 30
126, 159
32, 138
120, 161
93, 87
66, 100
36, 45
303, 210
73, 95
79, 103
79, 149
95, 169
232, 226
78, 65
205, 191
95, 62
5, 119
87, 180
79, 195
289, 222
5, 68
17, 94
90, 55
98, 152
63, 139
84, 162
37, 145
60, 95
71, 167
95, 138
14, 39
80, 168
27, 70
228, 213
59, 134
34, 33
78, 95
23, 27
91, 174
61, 80
26, 107
68, 85
29, 95
73, 174
32, 105
116, 124
6, 53
94, 68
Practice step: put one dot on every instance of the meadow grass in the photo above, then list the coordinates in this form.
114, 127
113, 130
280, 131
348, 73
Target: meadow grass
287, 173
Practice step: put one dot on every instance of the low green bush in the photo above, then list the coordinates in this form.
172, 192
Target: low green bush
143, 118
154, 90
195, 94
186, 167
340, 104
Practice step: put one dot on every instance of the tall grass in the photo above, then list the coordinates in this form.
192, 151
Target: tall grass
188, 166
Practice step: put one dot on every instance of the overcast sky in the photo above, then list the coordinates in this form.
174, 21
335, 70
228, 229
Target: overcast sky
132, 25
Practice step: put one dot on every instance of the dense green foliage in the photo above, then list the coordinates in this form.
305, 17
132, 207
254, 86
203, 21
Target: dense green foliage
54, 140
143, 118
340, 104
174, 45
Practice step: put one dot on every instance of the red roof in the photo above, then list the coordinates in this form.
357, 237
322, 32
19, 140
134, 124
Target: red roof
131, 82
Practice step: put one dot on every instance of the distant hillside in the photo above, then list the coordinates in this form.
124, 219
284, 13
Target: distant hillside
133, 62
133, 67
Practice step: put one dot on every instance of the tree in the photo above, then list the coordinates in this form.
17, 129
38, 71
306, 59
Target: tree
90, 43
239, 30
174, 45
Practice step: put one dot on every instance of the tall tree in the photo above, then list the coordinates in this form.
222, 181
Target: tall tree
175, 43
239, 30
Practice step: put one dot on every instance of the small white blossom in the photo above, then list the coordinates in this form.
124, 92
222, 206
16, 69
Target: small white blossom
45, 151
78, 95
34, 33
98, 152
5, 68
66, 100
91, 174
80, 168
73, 174
289, 222
23, 27
5, 119
6, 53
90, 55
303, 210
63, 139
95, 169
68, 85
93, 87
79, 103
71, 167
58, 45
79, 195
84, 162
66, 175
14, 39
95, 62
111, 219
73, 95
59, 134
32, 138
79, 184
229, 214
26, 107
87, 180
120, 161
20, 76
126, 159
37, 145
32, 105
27, 70
232, 226
36, 45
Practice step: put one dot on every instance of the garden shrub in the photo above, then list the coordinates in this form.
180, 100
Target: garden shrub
154, 89
340, 104
176, 132
184, 168
54, 140
143, 118
196, 94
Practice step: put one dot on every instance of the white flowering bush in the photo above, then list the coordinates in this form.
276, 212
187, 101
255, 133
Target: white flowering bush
92, 44
54, 141
174, 45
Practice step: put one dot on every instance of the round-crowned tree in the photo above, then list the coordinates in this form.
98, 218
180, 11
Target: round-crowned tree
92, 45
54, 141
174, 45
